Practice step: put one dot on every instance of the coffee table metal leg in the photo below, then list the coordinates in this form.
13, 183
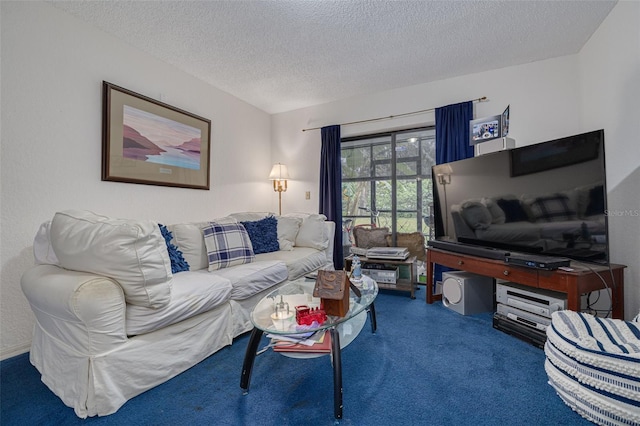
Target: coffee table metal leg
249, 358
372, 317
337, 373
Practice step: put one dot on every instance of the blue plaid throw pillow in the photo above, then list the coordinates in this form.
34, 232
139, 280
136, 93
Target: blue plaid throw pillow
553, 208
227, 245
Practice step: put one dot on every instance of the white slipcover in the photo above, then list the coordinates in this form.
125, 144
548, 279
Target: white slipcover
95, 350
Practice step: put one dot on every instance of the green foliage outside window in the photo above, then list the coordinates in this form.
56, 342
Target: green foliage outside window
368, 182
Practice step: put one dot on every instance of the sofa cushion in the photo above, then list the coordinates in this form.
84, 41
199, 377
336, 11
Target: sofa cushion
313, 232
189, 239
476, 215
263, 234
42, 249
178, 264
288, 228
133, 252
300, 261
497, 214
227, 245
251, 278
193, 293
250, 216
522, 232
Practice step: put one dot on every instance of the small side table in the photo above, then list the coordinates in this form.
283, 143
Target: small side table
300, 293
402, 284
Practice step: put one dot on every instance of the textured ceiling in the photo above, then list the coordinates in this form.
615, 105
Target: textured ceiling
285, 55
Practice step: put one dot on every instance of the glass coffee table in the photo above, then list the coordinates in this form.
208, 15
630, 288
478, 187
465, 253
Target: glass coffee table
343, 330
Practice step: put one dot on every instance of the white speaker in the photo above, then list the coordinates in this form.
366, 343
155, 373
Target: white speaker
500, 144
467, 293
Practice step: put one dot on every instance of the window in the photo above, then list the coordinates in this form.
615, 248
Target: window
386, 180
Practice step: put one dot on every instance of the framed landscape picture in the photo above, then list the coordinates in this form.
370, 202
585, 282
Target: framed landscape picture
146, 141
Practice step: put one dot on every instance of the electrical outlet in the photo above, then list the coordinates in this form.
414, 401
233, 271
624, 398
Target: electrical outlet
307, 195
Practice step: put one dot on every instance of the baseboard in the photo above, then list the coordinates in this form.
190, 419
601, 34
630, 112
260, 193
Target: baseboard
14, 351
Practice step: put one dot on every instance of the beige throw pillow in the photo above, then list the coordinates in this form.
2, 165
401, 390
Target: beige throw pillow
413, 241
132, 252
288, 228
313, 230
367, 238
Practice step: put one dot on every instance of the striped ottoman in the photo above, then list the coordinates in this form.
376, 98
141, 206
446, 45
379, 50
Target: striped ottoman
594, 366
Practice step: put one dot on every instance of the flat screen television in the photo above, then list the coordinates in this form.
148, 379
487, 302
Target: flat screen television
485, 129
548, 199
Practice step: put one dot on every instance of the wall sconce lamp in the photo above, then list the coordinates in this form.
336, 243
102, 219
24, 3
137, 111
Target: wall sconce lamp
279, 175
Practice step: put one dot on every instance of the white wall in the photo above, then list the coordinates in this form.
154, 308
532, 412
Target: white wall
543, 97
597, 88
610, 91
52, 70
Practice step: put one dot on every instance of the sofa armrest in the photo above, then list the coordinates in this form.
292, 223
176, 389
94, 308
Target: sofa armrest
82, 310
460, 226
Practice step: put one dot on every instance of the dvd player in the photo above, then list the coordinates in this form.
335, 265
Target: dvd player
487, 252
522, 332
523, 317
547, 263
538, 301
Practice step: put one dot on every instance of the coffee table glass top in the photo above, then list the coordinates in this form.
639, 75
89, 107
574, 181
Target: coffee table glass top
299, 293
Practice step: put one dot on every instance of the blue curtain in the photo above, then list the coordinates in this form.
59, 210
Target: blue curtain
452, 132
452, 143
331, 187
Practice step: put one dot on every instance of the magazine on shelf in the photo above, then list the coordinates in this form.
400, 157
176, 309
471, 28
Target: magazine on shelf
322, 344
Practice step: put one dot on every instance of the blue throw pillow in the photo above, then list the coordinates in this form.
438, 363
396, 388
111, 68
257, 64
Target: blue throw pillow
178, 264
513, 211
263, 234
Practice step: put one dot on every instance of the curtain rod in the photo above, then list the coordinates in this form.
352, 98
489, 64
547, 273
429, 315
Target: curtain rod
482, 99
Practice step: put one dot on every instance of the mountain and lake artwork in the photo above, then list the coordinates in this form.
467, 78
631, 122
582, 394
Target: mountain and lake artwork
154, 139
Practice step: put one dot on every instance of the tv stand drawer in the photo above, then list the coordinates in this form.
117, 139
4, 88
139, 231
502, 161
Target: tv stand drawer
487, 267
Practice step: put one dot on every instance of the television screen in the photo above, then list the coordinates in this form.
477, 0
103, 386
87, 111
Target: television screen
547, 198
485, 129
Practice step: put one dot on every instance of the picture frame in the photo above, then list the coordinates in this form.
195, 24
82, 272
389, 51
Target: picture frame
485, 129
146, 141
505, 121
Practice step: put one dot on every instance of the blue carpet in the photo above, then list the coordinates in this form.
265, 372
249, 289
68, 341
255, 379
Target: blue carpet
426, 365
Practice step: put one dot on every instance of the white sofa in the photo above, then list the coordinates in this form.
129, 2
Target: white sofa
113, 320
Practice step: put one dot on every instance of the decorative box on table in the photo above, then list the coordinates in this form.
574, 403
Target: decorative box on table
332, 287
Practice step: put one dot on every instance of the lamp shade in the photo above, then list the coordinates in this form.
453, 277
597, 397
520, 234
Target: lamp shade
279, 172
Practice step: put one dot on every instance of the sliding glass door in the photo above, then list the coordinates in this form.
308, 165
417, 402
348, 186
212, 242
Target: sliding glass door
386, 180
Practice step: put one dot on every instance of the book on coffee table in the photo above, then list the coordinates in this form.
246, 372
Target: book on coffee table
322, 345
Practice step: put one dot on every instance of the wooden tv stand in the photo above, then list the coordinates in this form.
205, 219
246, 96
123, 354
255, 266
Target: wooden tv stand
573, 283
